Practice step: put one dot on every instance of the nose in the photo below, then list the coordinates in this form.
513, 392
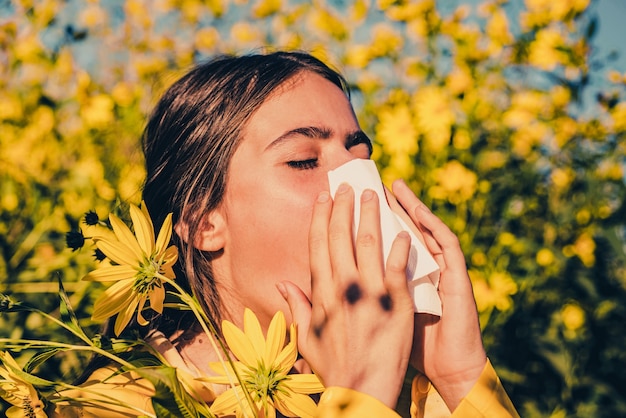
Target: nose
338, 156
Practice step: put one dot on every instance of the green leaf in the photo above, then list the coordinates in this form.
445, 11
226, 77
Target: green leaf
40, 358
170, 399
67, 313
27, 377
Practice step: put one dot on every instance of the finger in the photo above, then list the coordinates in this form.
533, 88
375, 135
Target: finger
395, 270
444, 237
399, 210
368, 244
319, 255
300, 308
340, 240
411, 203
454, 268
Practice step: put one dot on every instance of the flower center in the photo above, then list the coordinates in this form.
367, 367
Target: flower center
29, 408
147, 278
263, 382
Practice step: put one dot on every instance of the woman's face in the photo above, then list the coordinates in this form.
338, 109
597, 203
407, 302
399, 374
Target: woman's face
305, 128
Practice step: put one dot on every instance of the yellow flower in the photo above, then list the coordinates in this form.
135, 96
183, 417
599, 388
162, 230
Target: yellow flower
358, 56
545, 52
244, 33
545, 257
265, 8
434, 116
455, 183
618, 114
386, 41
396, 132
494, 291
585, 248
324, 21
263, 367
140, 266
573, 316
18, 392
92, 16
459, 80
206, 38
98, 111
498, 29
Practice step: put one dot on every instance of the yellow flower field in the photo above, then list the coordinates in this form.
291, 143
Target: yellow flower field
499, 114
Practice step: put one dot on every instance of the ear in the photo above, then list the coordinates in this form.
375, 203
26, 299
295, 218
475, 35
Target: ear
211, 235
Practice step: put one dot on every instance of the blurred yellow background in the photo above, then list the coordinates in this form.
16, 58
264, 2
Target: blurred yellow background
507, 118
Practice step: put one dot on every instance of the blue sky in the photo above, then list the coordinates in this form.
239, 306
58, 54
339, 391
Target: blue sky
612, 30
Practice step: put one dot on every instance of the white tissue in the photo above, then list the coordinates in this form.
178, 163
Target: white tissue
422, 271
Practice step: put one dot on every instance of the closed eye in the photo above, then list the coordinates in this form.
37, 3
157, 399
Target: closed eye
303, 164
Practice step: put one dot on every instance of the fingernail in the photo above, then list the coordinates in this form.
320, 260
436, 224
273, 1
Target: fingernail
323, 197
343, 187
282, 289
367, 195
404, 235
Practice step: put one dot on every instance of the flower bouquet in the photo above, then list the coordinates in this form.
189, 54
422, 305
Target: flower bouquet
254, 369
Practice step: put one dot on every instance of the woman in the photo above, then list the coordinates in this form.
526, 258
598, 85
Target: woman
239, 150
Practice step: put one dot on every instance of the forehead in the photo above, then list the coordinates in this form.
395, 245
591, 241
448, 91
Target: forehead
307, 99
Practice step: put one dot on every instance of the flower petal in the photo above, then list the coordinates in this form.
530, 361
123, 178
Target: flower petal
240, 344
124, 317
140, 319
113, 300
165, 234
225, 376
228, 401
285, 360
270, 411
118, 252
125, 236
253, 331
8, 360
111, 274
248, 410
296, 405
97, 231
304, 383
170, 255
168, 258
143, 229
168, 271
157, 296
275, 338
15, 412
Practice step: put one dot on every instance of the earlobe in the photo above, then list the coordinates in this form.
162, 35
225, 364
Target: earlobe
211, 233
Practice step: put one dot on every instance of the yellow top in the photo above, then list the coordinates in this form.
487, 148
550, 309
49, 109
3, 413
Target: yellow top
486, 399
97, 396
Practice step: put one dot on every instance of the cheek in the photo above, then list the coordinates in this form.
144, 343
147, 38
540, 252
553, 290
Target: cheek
272, 215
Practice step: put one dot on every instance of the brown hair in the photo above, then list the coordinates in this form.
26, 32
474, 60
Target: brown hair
191, 137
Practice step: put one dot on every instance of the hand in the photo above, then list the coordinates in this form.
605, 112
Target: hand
449, 350
356, 330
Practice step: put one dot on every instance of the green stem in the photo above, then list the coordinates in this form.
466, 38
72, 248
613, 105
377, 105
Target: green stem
60, 323
19, 343
212, 334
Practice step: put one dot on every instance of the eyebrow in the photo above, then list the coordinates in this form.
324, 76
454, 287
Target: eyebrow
317, 132
306, 131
